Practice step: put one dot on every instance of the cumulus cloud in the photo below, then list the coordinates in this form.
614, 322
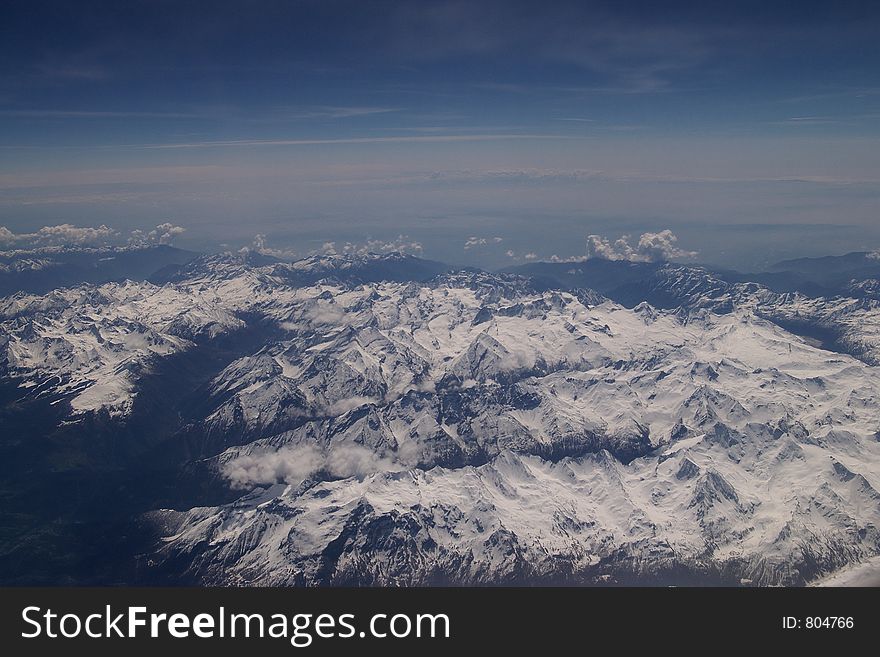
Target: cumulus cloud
293, 465
401, 244
164, 233
261, 245
474, 242
161, 234
139, 238
6, 236
531, 256
59, 235
651, 247
68, 235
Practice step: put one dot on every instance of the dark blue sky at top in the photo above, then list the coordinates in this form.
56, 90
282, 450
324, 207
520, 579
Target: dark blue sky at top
652, 93
216, 67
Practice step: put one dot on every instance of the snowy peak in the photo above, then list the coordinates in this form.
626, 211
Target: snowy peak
382, 422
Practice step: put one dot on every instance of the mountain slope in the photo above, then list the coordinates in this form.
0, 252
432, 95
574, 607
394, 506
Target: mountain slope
471, 428
41, 270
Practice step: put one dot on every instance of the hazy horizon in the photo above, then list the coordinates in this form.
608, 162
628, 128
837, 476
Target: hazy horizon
483, 131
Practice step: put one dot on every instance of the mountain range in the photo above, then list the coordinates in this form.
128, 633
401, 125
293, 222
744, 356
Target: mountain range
231, 419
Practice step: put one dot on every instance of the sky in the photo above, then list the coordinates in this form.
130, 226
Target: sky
474, 132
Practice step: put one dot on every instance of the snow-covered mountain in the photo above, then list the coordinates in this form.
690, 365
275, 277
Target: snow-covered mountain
43, 269
400, 424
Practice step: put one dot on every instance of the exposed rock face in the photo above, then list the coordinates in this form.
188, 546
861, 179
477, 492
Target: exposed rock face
399, 428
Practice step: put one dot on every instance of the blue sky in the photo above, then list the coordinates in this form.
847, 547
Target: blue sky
749, 129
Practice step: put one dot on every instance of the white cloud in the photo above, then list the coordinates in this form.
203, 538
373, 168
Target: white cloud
60, 235
289, 465
63, 234
261, 245
324, 313
293, 465
161, 234
166, 232
651, 247
474, 242
6, 236
66, 235
601, 247
357, 461
347, 404
138, 238
531, 256
510, 253
401, 244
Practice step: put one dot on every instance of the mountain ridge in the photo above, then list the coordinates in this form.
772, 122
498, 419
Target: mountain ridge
469, 427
